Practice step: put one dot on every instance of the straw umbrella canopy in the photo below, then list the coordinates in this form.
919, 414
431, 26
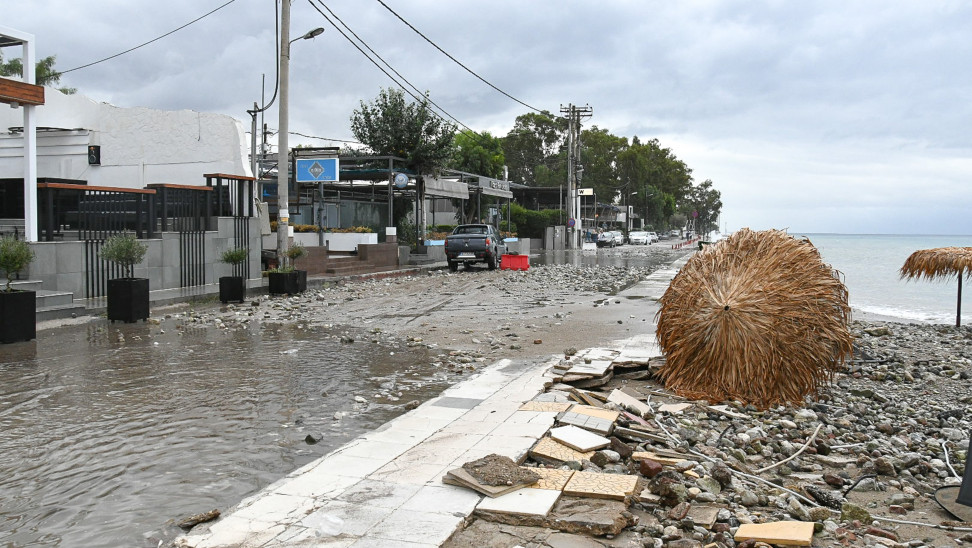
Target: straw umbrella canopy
941, 263
758, 318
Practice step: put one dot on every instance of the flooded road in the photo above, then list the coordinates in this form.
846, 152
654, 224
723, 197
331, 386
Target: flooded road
111, 432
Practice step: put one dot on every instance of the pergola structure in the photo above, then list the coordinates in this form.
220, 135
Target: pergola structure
26, 95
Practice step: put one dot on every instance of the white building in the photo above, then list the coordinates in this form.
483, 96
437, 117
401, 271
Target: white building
137, 146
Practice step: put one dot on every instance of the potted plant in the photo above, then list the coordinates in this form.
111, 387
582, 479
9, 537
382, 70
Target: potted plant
233, 288
128, 296
286, 279
18, 307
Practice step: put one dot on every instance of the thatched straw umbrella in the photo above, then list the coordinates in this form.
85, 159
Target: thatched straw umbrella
940, 263
757, 317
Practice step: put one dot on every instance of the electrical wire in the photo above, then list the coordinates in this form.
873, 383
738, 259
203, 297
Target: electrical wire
393, 79
456, 61
324, 138
150, 41
373, 52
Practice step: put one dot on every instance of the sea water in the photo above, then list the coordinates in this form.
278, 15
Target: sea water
870, 266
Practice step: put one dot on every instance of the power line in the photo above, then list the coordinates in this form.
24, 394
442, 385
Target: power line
393, 79
456, 61
150, 41
325, 138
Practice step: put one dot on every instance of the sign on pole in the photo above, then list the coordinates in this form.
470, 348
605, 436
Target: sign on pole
316, 170
585, 191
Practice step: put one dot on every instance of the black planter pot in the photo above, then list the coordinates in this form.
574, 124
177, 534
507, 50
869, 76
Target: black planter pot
18, 311
301, 280
128, 299
232, 288
285, 282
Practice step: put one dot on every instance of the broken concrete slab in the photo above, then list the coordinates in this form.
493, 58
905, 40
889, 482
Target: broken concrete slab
598, 412
673, 408
571, 515
602, 486
578, 438
704, 516
783, 533
662, 459
630, 403
527, 501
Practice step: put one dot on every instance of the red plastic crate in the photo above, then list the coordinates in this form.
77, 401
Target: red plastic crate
515, 262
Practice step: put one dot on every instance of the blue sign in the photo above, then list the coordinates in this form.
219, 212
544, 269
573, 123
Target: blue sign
316, 170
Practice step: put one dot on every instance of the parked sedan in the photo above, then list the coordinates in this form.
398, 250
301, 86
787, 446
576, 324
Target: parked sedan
652, 238
606, 239
638, 238
618, 237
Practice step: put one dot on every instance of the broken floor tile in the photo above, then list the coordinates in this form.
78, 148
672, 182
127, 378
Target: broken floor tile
528, 501
668, 461
596, 368
578, 438
598, 412
551, 478
587, 422
783, 533
673, 408
602, 486
556, 407
548, 450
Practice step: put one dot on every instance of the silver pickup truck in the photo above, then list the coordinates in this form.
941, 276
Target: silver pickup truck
477, 243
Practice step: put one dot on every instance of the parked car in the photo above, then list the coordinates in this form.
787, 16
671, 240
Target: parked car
606, 239
476, 243
618, 237
652, 238
638, 238
675, 234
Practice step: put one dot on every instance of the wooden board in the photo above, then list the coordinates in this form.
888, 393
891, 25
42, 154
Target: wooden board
783, 533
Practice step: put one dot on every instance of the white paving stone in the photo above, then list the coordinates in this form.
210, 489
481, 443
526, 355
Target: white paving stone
443, 499
416, 526
526, 501
579, 439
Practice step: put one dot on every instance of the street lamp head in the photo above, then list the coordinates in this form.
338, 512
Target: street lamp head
312, 33
309, 34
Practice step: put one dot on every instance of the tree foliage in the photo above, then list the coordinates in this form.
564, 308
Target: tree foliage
599, 156
44, 73
478, 153
390, 125
535, 149
704, 204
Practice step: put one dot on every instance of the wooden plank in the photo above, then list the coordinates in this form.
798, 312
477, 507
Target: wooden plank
14, 91
784, 533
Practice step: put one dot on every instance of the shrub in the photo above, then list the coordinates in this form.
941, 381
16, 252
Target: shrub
15, 255
234, 256
125, 250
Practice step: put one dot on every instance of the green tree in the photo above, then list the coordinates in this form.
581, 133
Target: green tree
390, 125
706, 202
44, 73
478, 153
659, 179
599, 156
534, 149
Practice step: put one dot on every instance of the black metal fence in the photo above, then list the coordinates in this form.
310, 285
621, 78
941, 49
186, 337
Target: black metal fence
92, 214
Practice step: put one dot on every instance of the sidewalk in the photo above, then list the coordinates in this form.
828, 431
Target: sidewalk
384, 489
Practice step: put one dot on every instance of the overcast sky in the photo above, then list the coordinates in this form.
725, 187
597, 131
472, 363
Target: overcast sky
813, 116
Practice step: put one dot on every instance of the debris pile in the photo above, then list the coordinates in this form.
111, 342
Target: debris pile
628, 463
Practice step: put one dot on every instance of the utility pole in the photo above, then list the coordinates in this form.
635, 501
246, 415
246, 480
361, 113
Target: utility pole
283, 146
574, 116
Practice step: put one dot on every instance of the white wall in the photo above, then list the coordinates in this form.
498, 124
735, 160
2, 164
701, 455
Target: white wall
138, 145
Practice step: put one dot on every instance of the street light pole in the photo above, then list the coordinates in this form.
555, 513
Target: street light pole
283, 145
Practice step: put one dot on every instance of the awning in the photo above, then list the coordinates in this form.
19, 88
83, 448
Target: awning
495, 187
446, 189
